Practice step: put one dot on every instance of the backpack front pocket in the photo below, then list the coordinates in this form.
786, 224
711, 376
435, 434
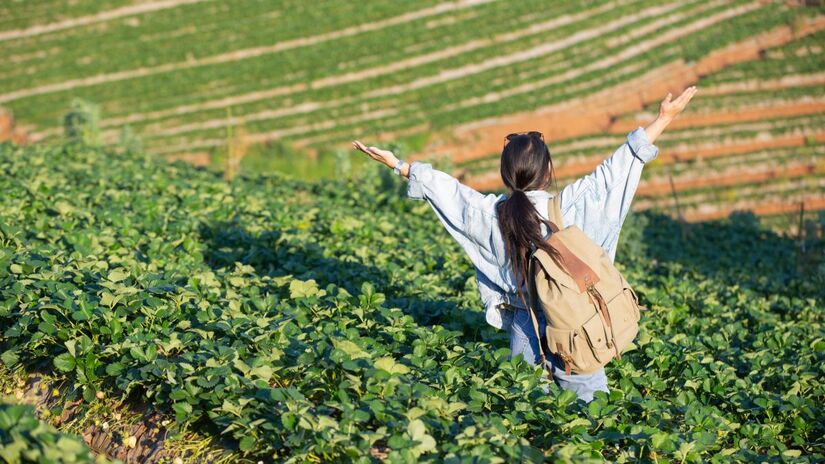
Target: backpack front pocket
561, 343
598, 339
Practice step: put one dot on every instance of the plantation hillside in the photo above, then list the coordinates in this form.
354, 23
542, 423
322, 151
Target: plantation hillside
288, 80
167, 315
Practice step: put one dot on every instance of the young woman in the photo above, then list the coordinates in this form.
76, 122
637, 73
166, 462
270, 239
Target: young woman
496, 230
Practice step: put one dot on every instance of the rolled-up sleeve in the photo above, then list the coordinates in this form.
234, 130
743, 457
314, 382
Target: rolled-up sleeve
462, 210
640, 146
419, 172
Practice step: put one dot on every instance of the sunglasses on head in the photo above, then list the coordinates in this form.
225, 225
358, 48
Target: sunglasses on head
535, 134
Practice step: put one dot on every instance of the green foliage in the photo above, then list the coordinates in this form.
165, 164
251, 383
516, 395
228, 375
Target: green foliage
24, 439
82, 122
308, 322
129, 141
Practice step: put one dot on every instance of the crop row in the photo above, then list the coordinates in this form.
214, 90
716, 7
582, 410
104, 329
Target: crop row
16, 16
752, 174
455, 88
412, 115
579, 156
782, 187
308, 58
801, 56
775, 206
808, 153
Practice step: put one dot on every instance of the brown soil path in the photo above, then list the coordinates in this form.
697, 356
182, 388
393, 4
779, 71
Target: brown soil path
110, 435
663, 187
492, 180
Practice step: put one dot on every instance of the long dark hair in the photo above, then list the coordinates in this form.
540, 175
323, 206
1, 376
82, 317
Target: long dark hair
525, 165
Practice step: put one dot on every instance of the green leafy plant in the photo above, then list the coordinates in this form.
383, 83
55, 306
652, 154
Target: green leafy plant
336, 321
25, 439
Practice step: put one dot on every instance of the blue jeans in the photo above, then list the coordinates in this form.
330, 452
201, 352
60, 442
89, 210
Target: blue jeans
523, 340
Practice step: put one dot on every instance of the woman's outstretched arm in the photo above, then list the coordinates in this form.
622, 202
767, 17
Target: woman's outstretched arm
463, 211
599, 202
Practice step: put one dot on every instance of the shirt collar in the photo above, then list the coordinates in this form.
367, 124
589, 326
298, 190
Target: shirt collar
534, 194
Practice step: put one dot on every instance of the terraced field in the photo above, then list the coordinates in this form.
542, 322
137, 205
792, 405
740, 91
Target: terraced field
319, 80
753, 138
439, 77
155, 312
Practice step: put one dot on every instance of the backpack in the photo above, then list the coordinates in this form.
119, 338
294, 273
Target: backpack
592, 313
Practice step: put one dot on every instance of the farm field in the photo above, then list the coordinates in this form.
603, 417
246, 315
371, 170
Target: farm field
160, 305
272, 319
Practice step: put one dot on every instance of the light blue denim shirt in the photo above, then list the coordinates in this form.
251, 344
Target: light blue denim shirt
598, 203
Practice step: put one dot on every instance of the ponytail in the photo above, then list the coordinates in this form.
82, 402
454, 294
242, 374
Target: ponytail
525, 165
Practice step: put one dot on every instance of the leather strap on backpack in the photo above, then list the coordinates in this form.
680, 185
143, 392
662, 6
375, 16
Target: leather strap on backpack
554, 211
531, 308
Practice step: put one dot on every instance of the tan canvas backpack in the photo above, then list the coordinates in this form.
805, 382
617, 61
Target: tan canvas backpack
592, 313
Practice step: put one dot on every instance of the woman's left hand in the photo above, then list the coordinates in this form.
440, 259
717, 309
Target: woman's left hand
385, 157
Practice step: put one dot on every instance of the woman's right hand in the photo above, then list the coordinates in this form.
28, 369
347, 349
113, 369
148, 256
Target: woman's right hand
384, 157
669, 109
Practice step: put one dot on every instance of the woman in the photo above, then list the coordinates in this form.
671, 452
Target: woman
496, 230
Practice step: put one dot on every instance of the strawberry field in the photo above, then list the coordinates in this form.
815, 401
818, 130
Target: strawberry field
155, 312
283, 321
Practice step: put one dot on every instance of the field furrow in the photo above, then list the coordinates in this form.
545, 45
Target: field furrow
663, 188
236, 55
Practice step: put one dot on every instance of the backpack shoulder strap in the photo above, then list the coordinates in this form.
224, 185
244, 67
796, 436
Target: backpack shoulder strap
554, 211
532, 307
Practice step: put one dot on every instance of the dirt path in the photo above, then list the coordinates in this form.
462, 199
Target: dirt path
727, 117
594, 113
237, 55
662, 187
131, 10
109, 435
767, 208
492, 180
